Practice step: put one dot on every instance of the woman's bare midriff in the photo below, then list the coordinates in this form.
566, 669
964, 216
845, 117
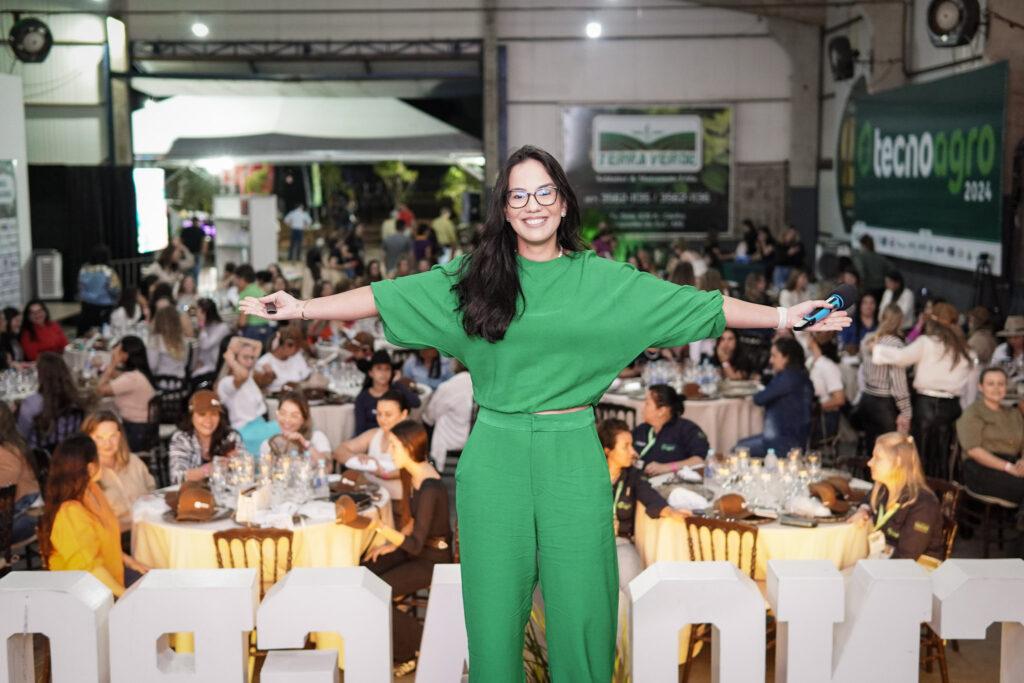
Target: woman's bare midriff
559, 412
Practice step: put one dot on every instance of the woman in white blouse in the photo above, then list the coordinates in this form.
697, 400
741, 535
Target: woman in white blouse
942, 369
167, 347
286, 362
450, 411
212, 331
240, 390
897, 293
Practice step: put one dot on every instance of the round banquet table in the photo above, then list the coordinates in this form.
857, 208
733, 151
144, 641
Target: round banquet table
163, 544
843, 543
724, 420
338, 421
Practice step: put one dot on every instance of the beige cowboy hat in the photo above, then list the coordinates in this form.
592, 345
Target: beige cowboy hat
1014, 327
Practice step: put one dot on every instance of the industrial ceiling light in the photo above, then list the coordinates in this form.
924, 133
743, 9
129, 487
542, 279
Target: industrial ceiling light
952, 22
30, 39
841, 58
200, 30
593, 29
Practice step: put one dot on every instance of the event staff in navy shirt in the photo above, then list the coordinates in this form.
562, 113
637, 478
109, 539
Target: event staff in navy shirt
666, 441
787, 402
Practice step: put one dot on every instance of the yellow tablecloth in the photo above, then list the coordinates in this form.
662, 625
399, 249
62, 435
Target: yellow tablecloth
724, 420
161, 544
664, 540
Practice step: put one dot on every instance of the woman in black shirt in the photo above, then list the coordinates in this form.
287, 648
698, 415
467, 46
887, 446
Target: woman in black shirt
629, 486
407, 561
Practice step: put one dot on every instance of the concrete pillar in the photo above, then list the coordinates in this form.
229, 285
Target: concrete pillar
491, 83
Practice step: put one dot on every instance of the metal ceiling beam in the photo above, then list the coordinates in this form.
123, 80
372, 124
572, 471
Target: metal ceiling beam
305, 51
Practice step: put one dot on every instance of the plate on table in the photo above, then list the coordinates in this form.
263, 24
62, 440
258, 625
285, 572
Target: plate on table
219, 513
754, 520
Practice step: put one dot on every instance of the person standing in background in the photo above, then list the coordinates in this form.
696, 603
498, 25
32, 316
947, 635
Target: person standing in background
445, 234
299, 220
872, 267
194, 239
99, 289
396, 247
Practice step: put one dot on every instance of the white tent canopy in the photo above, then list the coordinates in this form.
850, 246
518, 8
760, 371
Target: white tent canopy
185, 128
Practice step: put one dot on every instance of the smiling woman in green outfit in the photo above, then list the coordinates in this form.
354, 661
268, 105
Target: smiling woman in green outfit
543, 326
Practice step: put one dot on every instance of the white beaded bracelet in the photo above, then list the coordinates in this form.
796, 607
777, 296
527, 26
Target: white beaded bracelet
783, 317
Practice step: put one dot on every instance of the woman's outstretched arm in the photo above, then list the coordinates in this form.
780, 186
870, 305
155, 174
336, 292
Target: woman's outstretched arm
346, 306
743, 314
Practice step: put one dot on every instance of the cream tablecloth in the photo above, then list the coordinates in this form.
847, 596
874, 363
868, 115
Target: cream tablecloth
724, 420
664, 540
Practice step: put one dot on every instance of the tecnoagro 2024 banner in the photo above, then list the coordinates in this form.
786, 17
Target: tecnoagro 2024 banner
920, 168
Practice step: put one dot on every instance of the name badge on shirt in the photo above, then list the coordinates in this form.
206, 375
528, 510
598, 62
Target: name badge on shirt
668, 447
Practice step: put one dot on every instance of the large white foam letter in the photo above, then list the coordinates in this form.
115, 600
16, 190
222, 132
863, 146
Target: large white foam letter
351, 601
807, 596
71, 609
669, 595
300, 666
971, 594
217, 605
444, 648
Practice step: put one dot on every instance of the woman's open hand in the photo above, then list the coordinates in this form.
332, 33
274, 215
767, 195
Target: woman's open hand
835, 321
287, 306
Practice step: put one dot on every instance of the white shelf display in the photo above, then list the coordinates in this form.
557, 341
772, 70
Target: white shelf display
247, 229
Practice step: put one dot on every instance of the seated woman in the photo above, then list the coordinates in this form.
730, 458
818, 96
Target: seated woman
731, 356
630, 487
380, 379
665, 440
902, 507
132, 308
428, 366
56, 409
128, 380
371, 447
992, 439
79, 530
16, 469
40, 334
168, 350
787, 401
212, 331
407, 561
286, 362
450, 411
865, 321
827, 379
204, 435
295, 423
123, 476
651, 355
240, 392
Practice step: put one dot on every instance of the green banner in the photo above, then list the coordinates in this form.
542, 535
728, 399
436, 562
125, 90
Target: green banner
920, 168
651, 172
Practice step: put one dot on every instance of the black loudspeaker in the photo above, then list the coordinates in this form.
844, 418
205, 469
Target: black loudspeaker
952, 22
841, 58
30, 39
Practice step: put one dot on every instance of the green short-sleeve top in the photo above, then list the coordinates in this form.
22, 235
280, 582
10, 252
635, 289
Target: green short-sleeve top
585, 319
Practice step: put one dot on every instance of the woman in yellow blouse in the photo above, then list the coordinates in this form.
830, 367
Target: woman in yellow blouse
79, 528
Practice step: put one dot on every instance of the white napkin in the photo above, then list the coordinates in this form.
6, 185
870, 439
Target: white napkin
691, 475
684, 499
279, 517
354, 463
318, 510
806, 506
661, 479
149, 506
860, 484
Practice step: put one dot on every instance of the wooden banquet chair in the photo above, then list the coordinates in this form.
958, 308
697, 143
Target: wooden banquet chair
267, 550
717, 540
933, 648
605, 411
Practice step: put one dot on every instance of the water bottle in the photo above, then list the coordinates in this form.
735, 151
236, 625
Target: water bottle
771, 461
709, 468
320, 487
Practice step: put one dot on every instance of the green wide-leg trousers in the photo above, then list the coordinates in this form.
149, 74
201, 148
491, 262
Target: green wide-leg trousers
534, 502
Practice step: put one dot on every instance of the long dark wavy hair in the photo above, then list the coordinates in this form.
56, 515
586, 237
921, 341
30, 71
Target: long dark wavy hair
67, 480
59, 391
489, 290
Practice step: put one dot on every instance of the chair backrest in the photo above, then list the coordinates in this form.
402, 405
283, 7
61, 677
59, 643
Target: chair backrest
145, 436
268, 550
605, 411
173, 393
717, 540
66, 424
950, 495
7, 520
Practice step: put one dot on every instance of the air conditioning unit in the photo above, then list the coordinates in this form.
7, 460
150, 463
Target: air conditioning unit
49, 269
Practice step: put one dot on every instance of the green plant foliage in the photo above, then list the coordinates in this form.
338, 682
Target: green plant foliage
192, 189
397, 178
256, 180
454, 184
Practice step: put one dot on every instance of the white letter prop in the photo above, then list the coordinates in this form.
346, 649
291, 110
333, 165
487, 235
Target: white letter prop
218, 605
444, 648
71, 609
351, 601
300, 666
807, 596
971, 594
669, 595
880, 640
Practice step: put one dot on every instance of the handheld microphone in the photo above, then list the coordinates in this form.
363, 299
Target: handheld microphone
841, 298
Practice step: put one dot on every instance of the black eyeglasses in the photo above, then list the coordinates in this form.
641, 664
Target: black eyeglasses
545, 196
